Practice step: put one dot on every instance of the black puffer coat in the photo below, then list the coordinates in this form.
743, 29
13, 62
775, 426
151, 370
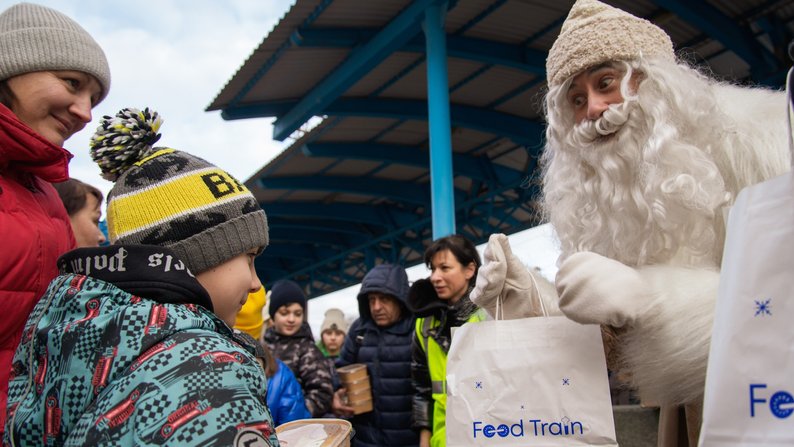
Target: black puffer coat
387, 353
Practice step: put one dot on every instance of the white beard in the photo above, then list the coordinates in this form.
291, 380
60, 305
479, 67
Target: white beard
634, 198
651, 195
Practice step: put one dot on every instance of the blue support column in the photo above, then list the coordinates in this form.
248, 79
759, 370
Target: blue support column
441, 186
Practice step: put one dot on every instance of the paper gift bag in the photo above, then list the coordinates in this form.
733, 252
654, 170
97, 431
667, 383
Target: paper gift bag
532, 381
749, 396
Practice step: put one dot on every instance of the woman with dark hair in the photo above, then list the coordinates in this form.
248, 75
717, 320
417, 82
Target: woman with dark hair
440, 302
83, 204
52, 74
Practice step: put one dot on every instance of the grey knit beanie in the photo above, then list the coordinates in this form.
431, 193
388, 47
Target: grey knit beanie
37, 38
594, 33
170, 198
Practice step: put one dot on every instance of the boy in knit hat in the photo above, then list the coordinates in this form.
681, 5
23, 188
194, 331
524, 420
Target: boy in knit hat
643, 154
132, 344
290, 340
52, 74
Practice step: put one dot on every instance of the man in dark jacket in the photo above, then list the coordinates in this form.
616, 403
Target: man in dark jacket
381, 339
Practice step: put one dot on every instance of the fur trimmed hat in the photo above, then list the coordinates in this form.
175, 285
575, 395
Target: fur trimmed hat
37, 38
170, 198
334, 319
595, 33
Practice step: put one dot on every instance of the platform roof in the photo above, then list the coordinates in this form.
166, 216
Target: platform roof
353, 191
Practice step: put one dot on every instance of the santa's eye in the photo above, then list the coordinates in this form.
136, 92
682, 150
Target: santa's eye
605, 82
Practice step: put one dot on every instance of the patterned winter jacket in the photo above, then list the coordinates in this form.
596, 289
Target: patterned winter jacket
307, 363
122, 350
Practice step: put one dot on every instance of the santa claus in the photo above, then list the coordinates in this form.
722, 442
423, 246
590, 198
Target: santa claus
644, 155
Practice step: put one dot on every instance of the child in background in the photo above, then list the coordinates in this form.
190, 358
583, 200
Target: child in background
83, 204
332, 333
284, 394
132, 344
290, 339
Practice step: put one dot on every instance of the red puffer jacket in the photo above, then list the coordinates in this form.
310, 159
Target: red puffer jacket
34, 230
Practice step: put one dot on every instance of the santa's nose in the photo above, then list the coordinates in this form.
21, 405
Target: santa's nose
596, 108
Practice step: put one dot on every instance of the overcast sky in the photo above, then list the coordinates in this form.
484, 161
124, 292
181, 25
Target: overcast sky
174, 56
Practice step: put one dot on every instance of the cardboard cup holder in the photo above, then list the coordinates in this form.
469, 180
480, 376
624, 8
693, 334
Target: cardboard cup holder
353, 373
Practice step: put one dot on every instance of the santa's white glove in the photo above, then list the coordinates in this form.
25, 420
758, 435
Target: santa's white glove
599, 290
504, 276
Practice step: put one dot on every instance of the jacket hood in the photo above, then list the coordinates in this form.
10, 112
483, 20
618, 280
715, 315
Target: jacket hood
25, 150
149, 271
389, 279
423, 299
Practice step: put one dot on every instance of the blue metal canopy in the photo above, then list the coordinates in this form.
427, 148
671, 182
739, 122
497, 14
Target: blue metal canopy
355, 190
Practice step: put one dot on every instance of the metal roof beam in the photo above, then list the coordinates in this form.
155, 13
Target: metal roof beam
362, 59
343, 212
319, 238
722, 28
257, 110
369, 186
479, 168
519, 57
518, 129
296, 251
342, 229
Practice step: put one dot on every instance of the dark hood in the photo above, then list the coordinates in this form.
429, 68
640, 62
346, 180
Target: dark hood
423, 299
388, 279
148, 271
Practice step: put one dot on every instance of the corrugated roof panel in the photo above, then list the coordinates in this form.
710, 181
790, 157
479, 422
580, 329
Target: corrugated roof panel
493, 83
528, 103
514, 22
360, 14
400, 172
464, 140
292, 79
357, 129
379, 76
357, 170
409, 132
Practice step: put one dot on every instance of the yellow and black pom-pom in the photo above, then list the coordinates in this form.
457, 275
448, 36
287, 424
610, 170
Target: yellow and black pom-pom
122, 140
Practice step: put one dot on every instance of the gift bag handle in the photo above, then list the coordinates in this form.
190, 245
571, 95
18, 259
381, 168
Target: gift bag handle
499, 314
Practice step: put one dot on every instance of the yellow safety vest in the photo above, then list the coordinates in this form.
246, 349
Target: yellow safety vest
437, 366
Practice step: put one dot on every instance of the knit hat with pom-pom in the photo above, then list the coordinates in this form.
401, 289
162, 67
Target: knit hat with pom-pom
167, 197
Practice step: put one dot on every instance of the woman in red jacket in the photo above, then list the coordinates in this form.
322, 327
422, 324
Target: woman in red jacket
52, 73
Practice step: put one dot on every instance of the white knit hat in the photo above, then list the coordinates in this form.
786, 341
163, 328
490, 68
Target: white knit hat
334, 319
37, 38
595, 33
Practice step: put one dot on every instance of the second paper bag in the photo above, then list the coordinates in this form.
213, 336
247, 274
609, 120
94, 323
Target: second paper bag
534, 381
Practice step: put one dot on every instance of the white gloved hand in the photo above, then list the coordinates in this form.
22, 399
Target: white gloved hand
596, 289
504, 276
